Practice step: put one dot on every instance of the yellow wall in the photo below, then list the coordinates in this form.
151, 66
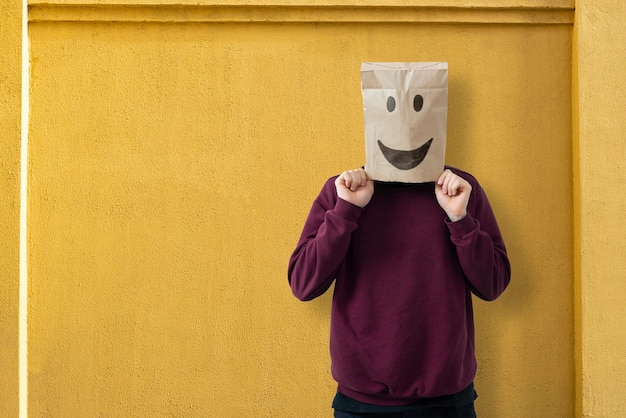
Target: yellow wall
10, 109
601, 265
172, 167
174, 154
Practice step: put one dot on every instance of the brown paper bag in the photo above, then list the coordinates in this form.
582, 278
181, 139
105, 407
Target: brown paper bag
405, 108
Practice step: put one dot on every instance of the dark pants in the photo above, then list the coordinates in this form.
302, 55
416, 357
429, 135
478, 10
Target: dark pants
465, 411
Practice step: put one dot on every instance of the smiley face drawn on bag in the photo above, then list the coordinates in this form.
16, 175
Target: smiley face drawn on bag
405, 110
400, 159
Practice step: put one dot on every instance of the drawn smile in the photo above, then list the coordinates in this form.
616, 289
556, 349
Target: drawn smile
405, 160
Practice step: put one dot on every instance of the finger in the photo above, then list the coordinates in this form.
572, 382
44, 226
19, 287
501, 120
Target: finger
343, 180
362, 177
447, 182
443, 176
444, 180
453, 186
357, 179
347, 179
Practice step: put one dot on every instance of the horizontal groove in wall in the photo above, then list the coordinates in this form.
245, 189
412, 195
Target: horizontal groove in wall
373, 14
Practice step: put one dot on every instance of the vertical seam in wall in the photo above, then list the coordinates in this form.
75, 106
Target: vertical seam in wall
23, 268
577, 224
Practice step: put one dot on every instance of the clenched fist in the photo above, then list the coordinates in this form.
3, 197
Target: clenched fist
453, 194
353, 186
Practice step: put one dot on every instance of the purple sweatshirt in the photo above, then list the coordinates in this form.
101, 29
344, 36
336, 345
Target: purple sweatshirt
402, 325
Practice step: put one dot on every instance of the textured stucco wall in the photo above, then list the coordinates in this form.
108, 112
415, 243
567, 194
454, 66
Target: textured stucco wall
601, 152
160, 218
10, 97
132, 313
172, 167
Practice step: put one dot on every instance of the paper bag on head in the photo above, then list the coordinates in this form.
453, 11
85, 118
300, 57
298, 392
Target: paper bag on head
405, 108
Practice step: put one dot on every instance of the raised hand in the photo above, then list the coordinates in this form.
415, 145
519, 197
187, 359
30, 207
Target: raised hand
353, 186
453, 194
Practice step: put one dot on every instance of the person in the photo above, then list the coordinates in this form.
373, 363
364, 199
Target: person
405, 259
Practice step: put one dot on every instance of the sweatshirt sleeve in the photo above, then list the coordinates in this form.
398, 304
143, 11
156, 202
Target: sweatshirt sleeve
480, 248
323, 244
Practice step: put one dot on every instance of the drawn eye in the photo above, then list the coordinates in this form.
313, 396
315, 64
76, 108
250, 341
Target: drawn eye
391, 104
418, 102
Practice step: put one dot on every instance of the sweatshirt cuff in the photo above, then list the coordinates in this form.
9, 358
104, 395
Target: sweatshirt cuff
347, 210
461, 228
